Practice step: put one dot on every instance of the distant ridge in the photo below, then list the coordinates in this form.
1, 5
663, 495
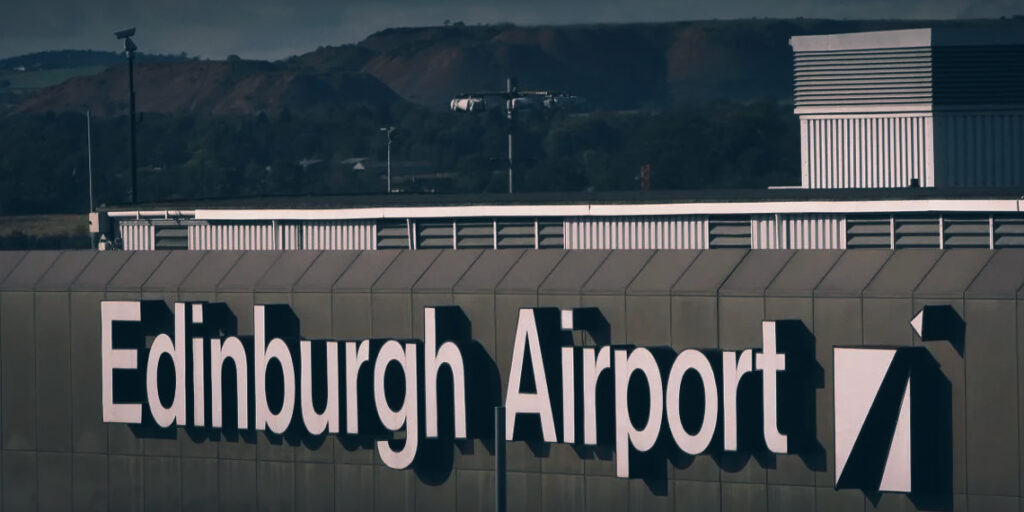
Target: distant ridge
632, 66
77, 58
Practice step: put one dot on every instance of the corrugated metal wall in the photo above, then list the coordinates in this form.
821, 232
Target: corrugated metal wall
866, 152
671, 232
243, 236
335, 235
773, 231
137, 235
798, 232
979, 149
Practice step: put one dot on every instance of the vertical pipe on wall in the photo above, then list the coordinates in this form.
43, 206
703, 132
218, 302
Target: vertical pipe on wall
499, 459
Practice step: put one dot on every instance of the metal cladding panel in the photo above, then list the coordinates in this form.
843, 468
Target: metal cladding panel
663, 232
354, 235
852, 273
208, 273
325, 270
617, 271
488, 270
708, 272
247, 271
406, 270
902, 273
802, 273
530, 271
867, 152
64, 270
137, 235
100, 271
174, 269
8, 261
953, 273
863, 77
286, 270
1001, 278
661, 272
573, 271
979, 149
137, 270
365, 270
243, 236
30, 270
753, 275
810, 231
446, 270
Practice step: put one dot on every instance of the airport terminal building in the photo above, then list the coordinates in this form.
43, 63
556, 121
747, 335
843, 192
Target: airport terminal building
851, 344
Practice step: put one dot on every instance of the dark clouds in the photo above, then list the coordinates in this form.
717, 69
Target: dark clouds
274, 29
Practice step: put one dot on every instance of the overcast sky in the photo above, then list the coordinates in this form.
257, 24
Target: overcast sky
273, 29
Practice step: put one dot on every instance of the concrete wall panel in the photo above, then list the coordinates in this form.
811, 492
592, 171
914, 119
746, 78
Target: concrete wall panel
58, 454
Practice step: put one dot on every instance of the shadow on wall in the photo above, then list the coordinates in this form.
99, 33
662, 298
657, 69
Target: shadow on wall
434, 460
434, 456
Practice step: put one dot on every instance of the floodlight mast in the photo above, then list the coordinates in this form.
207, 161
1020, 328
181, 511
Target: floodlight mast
474, 102
387, 130
129, 50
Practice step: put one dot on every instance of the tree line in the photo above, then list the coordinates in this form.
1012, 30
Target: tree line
44, 166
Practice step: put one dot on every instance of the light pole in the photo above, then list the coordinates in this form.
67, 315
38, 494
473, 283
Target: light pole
514, 100
129, 50
88, 141
387, 131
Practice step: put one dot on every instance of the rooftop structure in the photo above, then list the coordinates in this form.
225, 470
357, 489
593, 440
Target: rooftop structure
773, 219
880, 112
932, 107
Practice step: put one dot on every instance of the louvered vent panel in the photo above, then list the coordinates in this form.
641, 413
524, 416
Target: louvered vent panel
474, 234
1008, 232
550, 234
859, 77
170, 234
434, 234
867, 231
917, 232
964, 232
393, 234
729, 232
516, 234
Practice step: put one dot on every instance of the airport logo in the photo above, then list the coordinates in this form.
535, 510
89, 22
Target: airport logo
891, 410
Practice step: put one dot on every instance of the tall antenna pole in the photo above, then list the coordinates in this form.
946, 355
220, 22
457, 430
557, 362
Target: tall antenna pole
131, 92
88, 137
129, 50
509, 89
389, 159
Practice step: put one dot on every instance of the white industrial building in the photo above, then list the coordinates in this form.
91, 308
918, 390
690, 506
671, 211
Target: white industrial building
909, 138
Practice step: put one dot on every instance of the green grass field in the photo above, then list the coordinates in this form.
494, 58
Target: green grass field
45, 225
46, 77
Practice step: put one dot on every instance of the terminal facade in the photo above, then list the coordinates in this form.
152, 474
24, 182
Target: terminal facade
851, 345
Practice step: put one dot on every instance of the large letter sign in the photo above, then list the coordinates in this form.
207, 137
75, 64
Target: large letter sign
636, 369
263, 372
649, 403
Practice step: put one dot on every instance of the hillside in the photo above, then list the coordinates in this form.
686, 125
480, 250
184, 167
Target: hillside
211, 88
77, 58
625, 66
646, 66
703, 104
